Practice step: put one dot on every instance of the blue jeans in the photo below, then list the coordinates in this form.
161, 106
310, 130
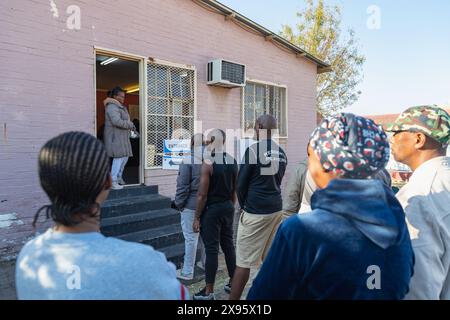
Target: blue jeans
118, 165
191, 240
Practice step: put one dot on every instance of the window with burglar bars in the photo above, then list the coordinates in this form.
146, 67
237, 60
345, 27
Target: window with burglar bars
170, 108
262, 99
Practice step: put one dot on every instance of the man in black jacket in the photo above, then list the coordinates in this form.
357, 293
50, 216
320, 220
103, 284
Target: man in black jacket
259, 195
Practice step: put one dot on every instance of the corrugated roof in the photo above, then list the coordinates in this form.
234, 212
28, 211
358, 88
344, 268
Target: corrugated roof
269, 35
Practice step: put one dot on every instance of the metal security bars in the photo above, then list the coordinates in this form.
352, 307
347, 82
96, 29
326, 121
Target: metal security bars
170, 108
259, 99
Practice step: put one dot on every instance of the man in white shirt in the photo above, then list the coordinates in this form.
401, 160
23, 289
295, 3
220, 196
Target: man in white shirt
421, 136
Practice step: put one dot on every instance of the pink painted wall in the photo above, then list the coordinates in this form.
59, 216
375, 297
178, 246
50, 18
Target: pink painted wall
47, 82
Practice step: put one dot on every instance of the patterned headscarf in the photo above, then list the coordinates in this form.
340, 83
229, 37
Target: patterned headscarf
350, 146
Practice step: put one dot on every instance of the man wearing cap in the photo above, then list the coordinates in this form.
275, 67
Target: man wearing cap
421, 135
354, 244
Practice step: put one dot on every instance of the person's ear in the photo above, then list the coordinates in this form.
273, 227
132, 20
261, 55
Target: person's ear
420, 140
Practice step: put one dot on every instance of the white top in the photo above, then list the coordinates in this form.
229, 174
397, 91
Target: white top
90, 266
308, 190
426, 201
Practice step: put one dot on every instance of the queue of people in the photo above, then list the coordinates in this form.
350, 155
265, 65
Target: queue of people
338, 233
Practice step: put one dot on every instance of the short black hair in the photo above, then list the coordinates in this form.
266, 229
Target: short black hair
73, 169
115, 91
214, 134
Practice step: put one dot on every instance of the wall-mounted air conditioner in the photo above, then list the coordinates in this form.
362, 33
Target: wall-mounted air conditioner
225, 73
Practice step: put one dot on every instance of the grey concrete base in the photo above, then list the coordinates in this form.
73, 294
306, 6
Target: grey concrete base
7, 287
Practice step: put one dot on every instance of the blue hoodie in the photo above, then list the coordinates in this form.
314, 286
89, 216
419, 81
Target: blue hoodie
334, 252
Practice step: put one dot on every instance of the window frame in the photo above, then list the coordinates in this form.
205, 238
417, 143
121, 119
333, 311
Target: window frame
266, 84
146, 113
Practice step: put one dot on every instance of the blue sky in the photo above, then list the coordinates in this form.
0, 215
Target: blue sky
407, 59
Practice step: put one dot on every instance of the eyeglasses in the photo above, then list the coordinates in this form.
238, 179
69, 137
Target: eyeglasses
410, 131
397, 132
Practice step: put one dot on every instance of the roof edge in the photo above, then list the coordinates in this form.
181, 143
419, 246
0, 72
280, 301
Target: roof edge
321, 65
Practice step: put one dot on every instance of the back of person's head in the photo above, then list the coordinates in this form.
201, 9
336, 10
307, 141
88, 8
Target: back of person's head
267, 122
73, 171
265, 125
197, 140
217, 136
215, 145
350, 146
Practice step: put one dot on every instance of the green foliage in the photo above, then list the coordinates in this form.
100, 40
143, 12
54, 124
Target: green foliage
319, 33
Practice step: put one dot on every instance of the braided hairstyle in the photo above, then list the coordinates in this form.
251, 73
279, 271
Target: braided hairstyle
73, 169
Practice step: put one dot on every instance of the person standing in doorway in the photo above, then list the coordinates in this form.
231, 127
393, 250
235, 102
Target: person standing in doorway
117, 135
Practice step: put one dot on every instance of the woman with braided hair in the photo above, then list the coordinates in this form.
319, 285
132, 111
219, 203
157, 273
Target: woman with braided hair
73, 260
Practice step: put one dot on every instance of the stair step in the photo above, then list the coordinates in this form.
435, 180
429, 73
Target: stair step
131, 205
131, 223
157, 237
132, 192
175, 254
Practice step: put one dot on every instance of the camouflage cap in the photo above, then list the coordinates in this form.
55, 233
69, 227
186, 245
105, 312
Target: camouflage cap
430, 120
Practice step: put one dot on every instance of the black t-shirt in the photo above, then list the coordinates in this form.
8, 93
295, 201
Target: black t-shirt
260, 176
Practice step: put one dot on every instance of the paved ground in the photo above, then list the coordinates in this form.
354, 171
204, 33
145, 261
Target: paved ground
222, 275
221, 279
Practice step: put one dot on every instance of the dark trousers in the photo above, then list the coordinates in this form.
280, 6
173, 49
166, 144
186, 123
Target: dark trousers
217, 228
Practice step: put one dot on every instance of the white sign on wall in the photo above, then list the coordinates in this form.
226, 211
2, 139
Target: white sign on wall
175, 151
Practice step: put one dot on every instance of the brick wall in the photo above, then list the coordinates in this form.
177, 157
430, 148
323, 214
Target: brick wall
47, 83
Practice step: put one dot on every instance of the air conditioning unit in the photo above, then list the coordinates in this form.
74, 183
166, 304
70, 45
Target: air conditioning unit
225, 73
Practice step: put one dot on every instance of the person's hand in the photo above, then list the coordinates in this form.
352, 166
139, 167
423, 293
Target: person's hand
174, 206
196, 225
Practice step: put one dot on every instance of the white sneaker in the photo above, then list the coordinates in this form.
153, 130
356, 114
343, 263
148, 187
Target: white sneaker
122, 182
116, 186
183, 276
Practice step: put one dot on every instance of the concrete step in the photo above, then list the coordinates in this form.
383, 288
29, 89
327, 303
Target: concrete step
157, 237
175, 254
130, 205
133, 191
120, 225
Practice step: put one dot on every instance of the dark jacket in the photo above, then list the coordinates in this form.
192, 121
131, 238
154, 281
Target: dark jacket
356, 232
260, 176
188, 181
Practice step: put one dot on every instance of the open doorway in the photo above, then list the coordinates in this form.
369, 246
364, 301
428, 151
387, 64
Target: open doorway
113, 71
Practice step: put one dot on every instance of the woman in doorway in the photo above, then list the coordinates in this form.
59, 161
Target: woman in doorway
117, 135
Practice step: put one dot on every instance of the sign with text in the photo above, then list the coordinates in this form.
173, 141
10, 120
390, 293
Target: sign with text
175, 151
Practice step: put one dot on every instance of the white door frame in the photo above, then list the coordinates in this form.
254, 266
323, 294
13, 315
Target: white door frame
142, 60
